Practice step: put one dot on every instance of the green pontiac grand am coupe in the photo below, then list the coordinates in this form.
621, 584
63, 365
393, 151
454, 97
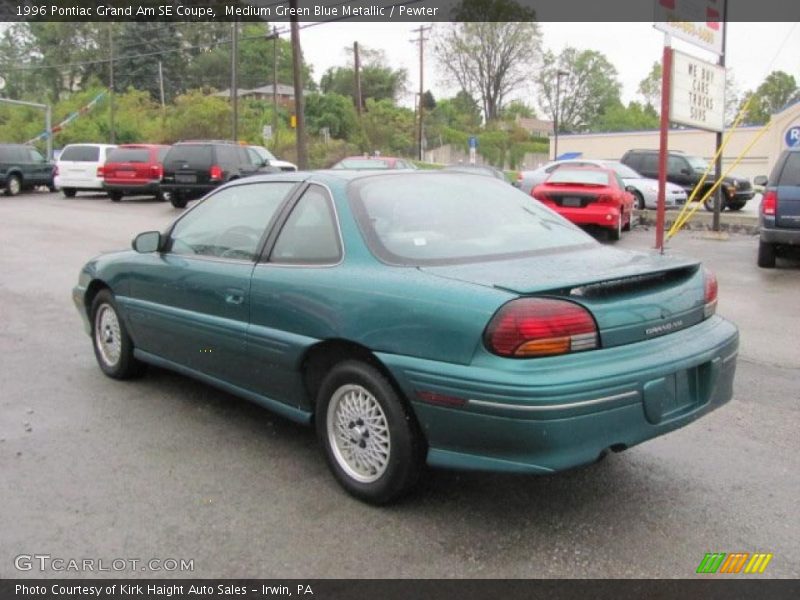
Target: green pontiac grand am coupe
439, 318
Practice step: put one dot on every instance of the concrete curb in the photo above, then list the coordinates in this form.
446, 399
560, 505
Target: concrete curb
702, 220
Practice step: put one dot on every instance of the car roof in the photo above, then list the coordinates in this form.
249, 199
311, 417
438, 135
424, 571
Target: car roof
340, 175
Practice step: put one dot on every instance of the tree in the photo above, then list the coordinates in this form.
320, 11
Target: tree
428, 101
517, 108
776, 91
491, 55
388, 128
378, 80
634, 117
587, 89
136, 66
333, 111
650, 87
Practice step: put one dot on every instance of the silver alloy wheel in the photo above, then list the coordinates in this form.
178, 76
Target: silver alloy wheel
107, 335
358, 433
14, 186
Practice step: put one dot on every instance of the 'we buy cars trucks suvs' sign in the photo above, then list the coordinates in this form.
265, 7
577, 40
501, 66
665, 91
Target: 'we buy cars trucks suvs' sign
699, 22
697, 96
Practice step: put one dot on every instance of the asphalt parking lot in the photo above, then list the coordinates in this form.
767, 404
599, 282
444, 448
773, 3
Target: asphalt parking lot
168, 468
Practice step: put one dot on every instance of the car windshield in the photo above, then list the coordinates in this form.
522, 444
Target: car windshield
264, 153
362, 163
698, 164
623, 171
445, 218
579, 176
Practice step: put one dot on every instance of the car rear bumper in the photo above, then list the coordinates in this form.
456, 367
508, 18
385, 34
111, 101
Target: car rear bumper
194, 189
78, 183
593, 214
133, 188
551, 414
789, 237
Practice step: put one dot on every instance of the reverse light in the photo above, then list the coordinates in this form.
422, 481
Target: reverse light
769, 204
531, 327
710, 294
215, 173
100, 172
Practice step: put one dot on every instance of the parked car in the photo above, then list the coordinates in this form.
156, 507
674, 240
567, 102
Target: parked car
588, 196
373, 163
645, 190
416, 317
486, 170
686, 171
269, 159
80, 168
194, 168
134, 170
22, 167
779, 217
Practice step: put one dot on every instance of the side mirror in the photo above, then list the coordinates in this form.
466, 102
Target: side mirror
149, 241
760, 180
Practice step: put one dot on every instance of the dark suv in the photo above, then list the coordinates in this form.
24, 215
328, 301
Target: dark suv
779, 216
686, 171
191, 169
22, 167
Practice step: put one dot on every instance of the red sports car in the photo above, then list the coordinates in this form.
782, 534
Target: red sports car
588, 196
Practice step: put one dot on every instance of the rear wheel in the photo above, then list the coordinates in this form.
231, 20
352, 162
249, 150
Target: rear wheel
69, 192
371, 440
115, 196
113, 347
13, 185
766, 255
616, 233
178, 199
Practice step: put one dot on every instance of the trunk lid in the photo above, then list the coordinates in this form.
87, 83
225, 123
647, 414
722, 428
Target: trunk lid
633, 296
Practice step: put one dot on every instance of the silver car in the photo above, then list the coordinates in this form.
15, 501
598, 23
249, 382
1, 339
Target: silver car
645, 189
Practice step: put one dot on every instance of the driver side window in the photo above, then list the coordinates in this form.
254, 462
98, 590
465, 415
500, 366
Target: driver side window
230, 223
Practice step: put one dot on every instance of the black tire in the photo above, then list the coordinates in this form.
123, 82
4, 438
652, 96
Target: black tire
404, 459
639, 200
115, 196
734, 207
120, 366
766, 255
13, 185
615, 234
178, 200
709, 203
51, 187
629, 222
69, 192
163, 196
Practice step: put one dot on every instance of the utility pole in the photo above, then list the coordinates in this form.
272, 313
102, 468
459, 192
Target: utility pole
299, 109
559, 74
421, 41
357, 70
718, 195
235, 80
275, 83
161, 86
112, 127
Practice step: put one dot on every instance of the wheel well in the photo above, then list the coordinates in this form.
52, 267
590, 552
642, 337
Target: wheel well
94, 288
16, 172
321, 358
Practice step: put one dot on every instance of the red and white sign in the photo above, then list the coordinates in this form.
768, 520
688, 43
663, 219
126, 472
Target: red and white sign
699, 22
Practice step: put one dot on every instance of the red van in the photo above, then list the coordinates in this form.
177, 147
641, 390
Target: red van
134, 170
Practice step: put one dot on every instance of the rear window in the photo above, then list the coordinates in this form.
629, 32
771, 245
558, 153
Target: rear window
195, 156
790, 175
135, 155
81, 154
623, 171
445, 218
362, 163
581, 176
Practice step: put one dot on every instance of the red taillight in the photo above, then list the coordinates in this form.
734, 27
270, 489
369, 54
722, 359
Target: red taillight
156, 171
101, 171
769, 204
710, 295
215, 172
607, 199
530, 327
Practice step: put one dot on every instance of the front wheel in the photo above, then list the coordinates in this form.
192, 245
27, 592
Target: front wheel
115, 196
13, 185
178, 200
113, 347
371, 440
639, 200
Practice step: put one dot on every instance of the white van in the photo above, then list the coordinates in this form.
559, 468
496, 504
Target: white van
80, 168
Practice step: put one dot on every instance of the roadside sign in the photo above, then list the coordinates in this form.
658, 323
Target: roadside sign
473, 141
697, 96
699, 22
266, 132
792, 137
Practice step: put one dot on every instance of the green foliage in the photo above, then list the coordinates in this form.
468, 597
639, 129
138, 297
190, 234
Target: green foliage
388, 128
776, 91
517, 108
650, 86
333, 111
634, 117
378, 80
197, 115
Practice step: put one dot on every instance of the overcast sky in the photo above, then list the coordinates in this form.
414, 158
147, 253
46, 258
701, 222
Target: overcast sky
754, 49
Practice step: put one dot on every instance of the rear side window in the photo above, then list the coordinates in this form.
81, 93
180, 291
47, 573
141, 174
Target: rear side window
649, 164
81, 154
310, 235
34, 156
162, 153
790, 175
6, 154
135, 155
195, 156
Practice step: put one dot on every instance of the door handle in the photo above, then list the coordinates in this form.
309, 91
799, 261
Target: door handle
234, 296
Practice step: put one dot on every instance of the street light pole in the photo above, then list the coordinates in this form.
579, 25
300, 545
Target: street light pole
274, 37
559, 75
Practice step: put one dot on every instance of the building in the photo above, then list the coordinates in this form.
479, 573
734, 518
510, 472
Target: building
285, 94
536, 127
784, 130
